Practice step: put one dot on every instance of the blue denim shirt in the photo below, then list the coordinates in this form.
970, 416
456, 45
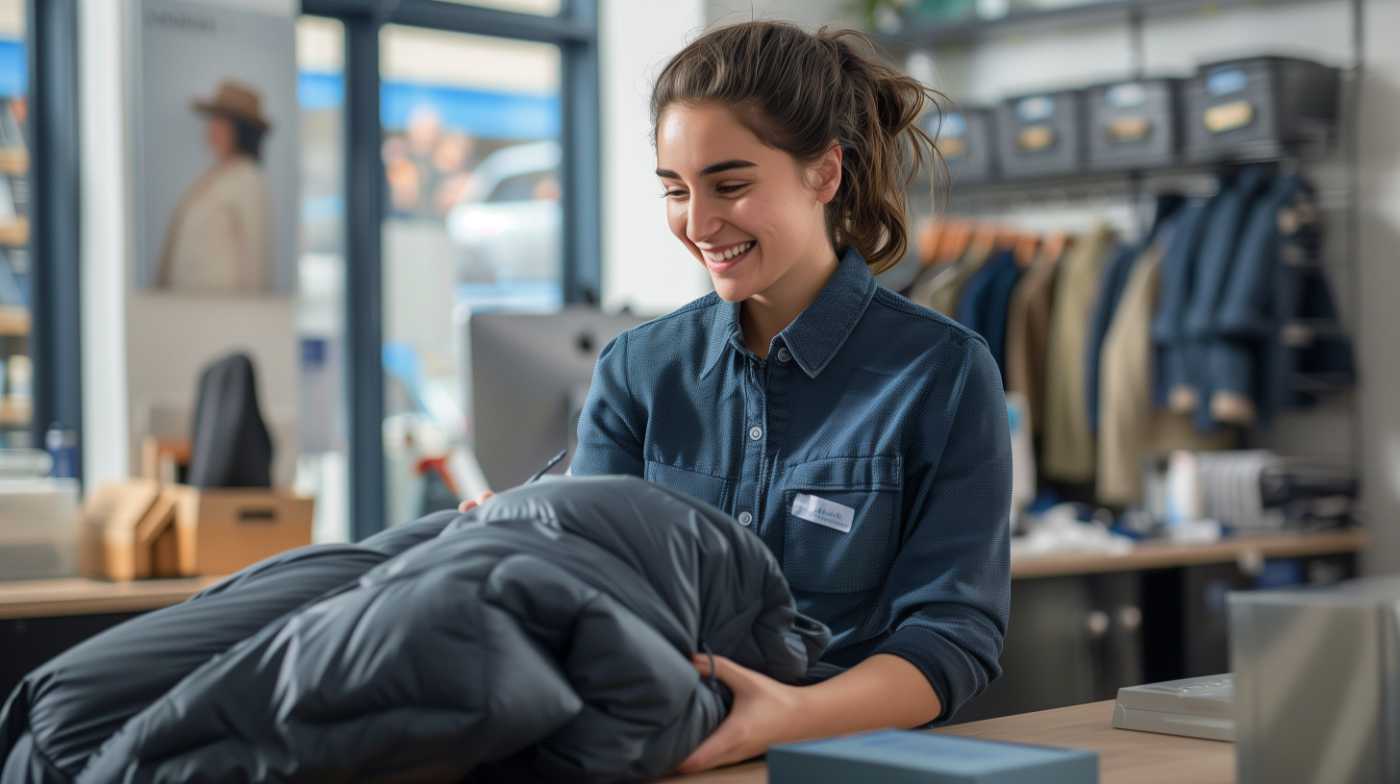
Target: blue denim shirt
870, 451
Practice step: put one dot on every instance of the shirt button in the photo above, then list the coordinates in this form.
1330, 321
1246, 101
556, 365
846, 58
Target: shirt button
755, 433
745, 518
783, 356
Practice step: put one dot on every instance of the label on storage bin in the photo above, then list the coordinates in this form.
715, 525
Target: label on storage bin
1035, 108
823, 512
1225, 81
1126, 96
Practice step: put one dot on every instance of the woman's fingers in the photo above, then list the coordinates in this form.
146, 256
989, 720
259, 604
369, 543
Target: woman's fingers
714, 749
737, 677
468, 505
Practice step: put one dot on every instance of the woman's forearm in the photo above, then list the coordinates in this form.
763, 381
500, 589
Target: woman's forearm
882, 691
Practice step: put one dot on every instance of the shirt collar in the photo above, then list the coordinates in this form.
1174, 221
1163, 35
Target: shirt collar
814, 337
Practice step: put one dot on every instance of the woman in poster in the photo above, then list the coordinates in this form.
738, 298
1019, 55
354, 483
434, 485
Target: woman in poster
220, 234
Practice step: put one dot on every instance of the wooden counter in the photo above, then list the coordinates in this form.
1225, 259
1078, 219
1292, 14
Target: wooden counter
1165, 555
81, 596
1125, 757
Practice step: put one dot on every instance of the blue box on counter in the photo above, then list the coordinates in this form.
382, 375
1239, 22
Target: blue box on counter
910, 757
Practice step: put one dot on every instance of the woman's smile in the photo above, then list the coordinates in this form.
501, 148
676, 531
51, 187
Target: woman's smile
725, 258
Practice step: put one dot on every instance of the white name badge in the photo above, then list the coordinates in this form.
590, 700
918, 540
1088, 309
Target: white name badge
823, 512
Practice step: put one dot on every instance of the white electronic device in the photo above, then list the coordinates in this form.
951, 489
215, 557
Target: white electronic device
1195, 707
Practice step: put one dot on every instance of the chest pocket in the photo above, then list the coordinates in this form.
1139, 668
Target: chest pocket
822, 497
713, 490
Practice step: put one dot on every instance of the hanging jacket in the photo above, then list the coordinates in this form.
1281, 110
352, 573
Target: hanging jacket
1027, 333
984, 302
1214, 266
1276, 327
1177, 274
1111, 285
1069, 446
545, 635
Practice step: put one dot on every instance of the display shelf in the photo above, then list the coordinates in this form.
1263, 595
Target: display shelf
14, 232
14, 160
921, 33
14, 412
14, 322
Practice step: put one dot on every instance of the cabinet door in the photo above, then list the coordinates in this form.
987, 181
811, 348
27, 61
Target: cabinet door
1118, 653
29, 642
1048, 660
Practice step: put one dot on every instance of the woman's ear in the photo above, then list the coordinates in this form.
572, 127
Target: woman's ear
826, 174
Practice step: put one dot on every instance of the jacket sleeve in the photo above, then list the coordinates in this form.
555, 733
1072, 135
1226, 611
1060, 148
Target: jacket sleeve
950, 584
610, 427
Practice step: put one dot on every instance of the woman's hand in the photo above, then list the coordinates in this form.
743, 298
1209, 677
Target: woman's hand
765, 712
470, 504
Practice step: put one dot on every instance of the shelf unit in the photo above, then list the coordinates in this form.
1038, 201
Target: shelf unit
14, 322
14, 160
961, 32
1131, 183
15, 412
14, 232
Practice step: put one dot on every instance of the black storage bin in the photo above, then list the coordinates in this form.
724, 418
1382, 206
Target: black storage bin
1134, 124
1041, 134
1259, 107
967, 141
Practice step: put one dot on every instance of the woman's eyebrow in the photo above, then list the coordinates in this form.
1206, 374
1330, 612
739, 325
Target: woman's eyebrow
714, 168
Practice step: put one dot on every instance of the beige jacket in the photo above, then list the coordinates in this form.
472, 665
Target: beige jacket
1027, 329
220, 237
1131, 429
1069, 444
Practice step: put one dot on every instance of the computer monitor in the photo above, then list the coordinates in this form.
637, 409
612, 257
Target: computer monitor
529, 374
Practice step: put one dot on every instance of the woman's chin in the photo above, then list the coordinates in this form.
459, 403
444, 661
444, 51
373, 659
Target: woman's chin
731, 290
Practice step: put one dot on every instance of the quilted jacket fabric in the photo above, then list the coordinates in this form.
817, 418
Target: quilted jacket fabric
545, 635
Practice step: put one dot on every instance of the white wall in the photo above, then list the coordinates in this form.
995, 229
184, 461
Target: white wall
142, 352
105, 242
644, 266
808, 13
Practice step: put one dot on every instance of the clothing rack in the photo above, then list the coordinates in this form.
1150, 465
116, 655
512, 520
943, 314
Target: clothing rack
1136, 188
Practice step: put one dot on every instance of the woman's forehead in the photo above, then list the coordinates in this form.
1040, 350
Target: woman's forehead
690, 137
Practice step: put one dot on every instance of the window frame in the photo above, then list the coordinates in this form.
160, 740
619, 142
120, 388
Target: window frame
55, 304
575, 31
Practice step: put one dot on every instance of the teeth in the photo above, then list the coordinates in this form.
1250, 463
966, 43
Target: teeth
734, 251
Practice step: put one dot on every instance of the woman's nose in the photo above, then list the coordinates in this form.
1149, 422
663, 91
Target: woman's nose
702, 220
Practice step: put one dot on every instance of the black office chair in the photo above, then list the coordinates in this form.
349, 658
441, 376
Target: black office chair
230, 443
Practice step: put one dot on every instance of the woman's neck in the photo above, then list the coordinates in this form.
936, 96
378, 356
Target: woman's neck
764, 315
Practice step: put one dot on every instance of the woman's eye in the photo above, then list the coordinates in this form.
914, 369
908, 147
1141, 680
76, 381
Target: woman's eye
732, 187
672, 193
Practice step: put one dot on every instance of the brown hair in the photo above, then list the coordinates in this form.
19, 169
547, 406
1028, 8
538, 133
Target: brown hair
800, 92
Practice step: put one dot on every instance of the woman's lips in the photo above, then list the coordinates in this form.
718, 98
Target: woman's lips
721, 262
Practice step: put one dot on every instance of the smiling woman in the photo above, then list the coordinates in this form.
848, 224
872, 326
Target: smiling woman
861, 437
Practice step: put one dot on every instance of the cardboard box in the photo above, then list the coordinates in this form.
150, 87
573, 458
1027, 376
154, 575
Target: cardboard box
222, 531
138, 529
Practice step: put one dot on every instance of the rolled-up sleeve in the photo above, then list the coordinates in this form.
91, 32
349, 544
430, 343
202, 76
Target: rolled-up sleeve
610, 427
949, 590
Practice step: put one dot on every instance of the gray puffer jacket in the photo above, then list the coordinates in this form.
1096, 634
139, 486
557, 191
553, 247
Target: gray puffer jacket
545, 635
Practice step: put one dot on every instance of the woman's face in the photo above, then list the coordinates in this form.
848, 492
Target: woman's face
749, 213
219, 134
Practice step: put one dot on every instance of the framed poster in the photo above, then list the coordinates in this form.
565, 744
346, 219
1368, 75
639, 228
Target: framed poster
216, 164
